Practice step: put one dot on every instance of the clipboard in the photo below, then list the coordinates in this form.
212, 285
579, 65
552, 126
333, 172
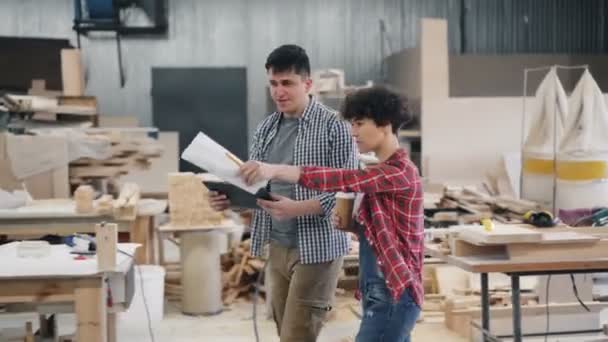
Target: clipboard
238, 197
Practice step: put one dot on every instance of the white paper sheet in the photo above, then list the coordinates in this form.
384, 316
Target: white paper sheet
207, 154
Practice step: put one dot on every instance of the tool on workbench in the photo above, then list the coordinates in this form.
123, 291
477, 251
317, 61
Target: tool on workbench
540, 219
488, 225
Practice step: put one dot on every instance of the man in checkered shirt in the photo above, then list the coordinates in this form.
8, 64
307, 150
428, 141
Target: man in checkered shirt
305, 250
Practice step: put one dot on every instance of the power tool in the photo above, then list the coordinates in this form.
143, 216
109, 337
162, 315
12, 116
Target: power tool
540, 219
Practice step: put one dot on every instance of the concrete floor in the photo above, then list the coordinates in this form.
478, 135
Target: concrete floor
236, 325
233, 325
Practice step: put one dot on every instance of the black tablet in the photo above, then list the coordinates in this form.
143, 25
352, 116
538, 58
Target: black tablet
237, 196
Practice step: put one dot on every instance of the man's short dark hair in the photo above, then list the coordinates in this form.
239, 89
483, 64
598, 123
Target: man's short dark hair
379, 104
289, 58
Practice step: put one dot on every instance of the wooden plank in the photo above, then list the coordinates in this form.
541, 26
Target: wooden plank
464, 248
94, 171
557, 251
450, 278
71, 72
538, 309
79, 101
61, 184
567, 237
91, 314
29, 332
107, 239
114, 161
111, 325
19, 291
489, 264
501, 234
140, 233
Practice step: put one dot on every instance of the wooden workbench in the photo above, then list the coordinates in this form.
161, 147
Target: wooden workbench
59, 278
500, 264
65, 221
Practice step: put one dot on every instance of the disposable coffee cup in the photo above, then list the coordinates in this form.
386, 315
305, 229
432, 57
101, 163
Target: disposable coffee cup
344, 209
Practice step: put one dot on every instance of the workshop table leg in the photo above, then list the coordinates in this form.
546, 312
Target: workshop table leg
91, 310
517, 333
485, 304
111, 319
140, 233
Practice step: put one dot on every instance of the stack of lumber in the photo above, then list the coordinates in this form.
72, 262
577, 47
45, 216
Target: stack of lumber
127, 152
240, 272
53, 107
501, 208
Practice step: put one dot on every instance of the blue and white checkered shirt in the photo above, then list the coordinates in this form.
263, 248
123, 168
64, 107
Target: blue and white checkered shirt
323, 139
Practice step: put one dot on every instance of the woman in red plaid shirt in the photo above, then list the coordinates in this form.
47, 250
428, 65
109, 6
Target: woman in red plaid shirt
388, 213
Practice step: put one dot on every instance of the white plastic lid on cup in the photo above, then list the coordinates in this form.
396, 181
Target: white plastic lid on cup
345, 195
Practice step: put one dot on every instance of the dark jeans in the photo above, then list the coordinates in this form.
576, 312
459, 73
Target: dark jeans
384, 319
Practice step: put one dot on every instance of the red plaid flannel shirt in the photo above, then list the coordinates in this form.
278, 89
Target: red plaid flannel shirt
391, 212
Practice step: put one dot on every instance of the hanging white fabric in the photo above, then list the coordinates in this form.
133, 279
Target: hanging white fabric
587, 125
582, 163
550, 116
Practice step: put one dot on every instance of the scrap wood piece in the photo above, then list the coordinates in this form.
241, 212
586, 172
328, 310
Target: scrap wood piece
83, 196
248, 269
231, 296
501, 234
104, 204
125, 207
257, 264
239, 273
455, 303
94, 171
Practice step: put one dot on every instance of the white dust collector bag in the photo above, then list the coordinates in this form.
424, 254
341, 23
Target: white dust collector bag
548, 116
582, 165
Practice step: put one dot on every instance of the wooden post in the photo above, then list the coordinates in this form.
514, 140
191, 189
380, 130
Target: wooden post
91, 312
107, 240
71, 73
140, 233
29, 332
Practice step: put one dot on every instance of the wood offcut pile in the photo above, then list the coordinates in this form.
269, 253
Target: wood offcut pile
54, 108
240, 272
470, 205
127, 152
123, 208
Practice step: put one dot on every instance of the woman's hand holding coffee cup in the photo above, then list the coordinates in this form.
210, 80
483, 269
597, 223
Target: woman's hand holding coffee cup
337, 221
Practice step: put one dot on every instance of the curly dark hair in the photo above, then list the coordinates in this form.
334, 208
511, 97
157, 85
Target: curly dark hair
378, 103
287, 58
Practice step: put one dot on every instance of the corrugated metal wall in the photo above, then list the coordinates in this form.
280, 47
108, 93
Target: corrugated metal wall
535, 26
336, 33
